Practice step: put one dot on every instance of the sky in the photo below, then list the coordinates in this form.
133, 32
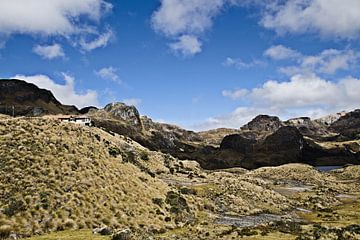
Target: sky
200, 64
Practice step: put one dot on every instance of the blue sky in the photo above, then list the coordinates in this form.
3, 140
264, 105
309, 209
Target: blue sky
200, 64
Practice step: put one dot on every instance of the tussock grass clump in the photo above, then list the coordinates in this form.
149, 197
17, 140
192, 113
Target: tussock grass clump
58, 176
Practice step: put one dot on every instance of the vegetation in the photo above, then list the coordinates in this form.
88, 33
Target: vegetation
56, 176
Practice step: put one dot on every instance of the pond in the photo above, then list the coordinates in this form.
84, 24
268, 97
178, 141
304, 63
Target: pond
327, 168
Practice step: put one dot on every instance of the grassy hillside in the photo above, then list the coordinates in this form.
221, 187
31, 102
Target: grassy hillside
56, 176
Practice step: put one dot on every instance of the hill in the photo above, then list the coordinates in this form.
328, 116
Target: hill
20, 98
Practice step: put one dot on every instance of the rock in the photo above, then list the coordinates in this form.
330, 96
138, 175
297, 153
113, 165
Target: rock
263, 123
124, 234
348, 125
307, 127
122, 111
103, 230
238, 143
86, 110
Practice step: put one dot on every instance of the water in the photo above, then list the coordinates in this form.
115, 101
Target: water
327, 168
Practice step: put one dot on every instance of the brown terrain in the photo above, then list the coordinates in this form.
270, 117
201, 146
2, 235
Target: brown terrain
128, 177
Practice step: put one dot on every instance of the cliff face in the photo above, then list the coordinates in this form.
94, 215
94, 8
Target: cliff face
20, 98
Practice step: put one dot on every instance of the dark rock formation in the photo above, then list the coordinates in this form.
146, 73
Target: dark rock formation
263, 123
19, 98
237, 143
86, 110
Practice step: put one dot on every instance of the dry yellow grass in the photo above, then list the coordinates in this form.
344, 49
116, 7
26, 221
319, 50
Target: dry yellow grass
56, 176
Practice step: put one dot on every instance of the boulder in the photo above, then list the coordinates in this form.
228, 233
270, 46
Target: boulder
103, 230
124, 234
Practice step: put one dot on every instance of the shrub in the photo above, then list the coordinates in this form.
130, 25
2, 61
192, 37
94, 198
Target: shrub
114, 151
177, 202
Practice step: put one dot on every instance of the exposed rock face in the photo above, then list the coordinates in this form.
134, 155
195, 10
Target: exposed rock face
122, 111
330, 119
238, 143
284, 146
263, 123
348, 125
20, 98
307, 127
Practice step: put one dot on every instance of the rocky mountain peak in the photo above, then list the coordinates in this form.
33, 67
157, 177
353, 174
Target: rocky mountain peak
124, 112
263, 123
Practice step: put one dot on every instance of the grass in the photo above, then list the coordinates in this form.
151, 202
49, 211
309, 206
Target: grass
70, 235
59, 176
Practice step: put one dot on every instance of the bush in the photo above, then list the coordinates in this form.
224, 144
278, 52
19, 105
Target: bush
144, 155
114, 151
14, 206
177, 202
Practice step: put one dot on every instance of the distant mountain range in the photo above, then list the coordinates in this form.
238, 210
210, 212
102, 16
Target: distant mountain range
264, 141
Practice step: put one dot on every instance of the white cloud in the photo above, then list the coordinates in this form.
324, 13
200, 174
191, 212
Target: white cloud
301, 95
71, 20
109, 73
329, 18
100, 41
49, 51
65, 93
186, 45
132, 101
55, 17
186, 20
176, 17
236, 94
240, 64
281, 52
328, 61
307, 91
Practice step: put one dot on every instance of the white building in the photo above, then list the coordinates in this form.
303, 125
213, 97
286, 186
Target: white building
81, 120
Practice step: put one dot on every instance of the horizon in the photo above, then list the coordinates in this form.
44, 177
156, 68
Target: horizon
197, 64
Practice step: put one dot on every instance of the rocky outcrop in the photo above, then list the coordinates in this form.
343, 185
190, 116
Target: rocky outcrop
238, 143
124, 112
263, 123
308, 127
348, 125
19, 98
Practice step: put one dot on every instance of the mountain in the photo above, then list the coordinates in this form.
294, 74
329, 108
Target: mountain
132, 177
57, 177
264, 141
20, 98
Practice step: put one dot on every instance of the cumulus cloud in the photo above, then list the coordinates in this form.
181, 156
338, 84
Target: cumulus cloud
69, 19
49, 51
329, 61
302, 95
329, 18
109, 73
56, 17
280, 52
186, 45
186, 20
132, 101
65, 93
